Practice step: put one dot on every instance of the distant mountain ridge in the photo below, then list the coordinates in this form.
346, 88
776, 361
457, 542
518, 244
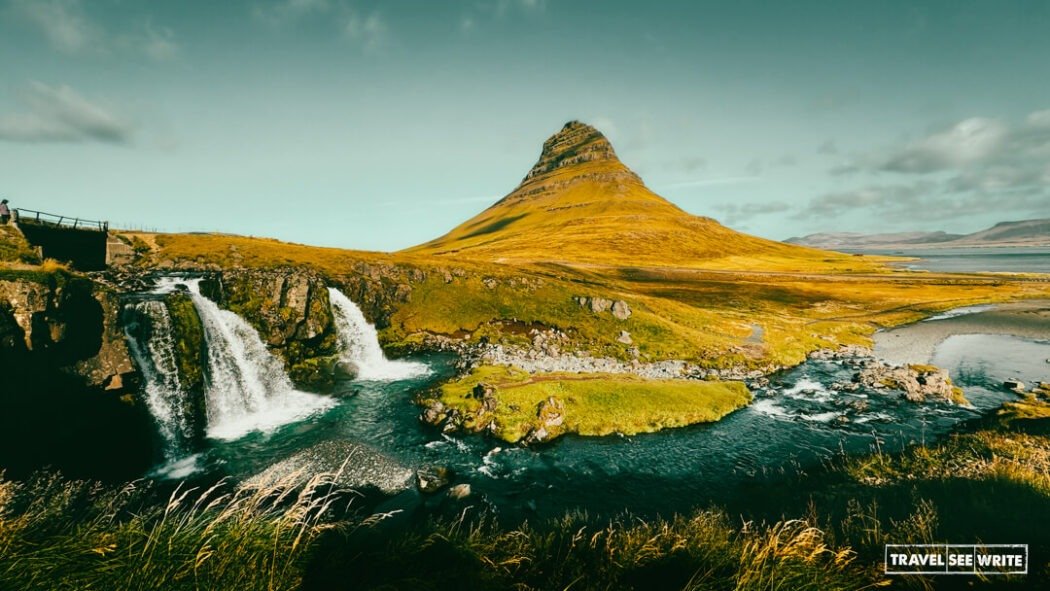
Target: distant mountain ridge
1021, 233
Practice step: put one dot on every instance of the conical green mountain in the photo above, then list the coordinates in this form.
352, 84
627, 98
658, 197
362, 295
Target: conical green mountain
580, 204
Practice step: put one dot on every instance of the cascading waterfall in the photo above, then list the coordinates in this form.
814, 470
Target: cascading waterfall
360, 344
247, 388
151, 344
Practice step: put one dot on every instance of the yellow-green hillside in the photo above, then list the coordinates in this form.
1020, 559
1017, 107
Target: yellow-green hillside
580, 204
708, 316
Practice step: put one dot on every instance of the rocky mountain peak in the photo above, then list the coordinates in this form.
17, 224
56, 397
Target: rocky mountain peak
576, 143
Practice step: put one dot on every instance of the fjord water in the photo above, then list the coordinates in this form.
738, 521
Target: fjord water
804, 417
975, 260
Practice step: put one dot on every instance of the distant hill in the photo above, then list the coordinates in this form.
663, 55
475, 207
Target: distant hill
1020, 234
581, 204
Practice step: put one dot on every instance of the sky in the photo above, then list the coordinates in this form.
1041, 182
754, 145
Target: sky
380, 125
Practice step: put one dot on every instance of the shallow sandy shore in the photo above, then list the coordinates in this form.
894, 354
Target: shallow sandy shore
915, 343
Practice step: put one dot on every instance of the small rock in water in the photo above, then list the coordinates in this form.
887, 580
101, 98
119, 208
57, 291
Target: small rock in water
1016, 386
459, 492
346, 370
431, 479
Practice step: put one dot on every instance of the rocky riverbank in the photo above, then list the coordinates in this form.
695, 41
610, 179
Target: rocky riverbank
916, 342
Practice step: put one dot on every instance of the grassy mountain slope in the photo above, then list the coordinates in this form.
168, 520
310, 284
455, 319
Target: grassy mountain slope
580, 204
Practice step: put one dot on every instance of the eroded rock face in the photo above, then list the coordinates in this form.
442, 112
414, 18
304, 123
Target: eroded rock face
27, 303
112, 367
291, 310
575, 143
379, 289
67, 322
67, 382
285, 305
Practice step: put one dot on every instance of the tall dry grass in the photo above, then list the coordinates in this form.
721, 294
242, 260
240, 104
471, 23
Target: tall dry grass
57, 534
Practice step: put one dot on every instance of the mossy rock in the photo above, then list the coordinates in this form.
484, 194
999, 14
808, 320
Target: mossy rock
315, 373
188, 334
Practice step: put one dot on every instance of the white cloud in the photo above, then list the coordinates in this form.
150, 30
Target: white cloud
280, 13
160, 44
484, 11
1039, 119
370, 31
977, 164
62, 22
60, 114
927, 200
69, 29
967, 141
737, 212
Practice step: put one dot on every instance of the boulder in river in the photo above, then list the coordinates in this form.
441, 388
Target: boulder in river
346, 370
353, 466
431, 479
1016, 386
919, 383
459, 492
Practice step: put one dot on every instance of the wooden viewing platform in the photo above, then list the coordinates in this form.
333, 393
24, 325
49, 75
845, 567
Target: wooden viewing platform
51, 219
81, 243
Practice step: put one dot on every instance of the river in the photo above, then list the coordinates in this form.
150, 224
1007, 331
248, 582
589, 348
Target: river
804, 418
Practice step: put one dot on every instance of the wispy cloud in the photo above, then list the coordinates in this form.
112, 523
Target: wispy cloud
69, 28
828, 148
288, 11
370, 31
62, 22
60, 114
737, 212
487, 11
926, 200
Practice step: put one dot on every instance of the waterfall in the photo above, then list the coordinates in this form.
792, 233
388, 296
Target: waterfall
360, 344
247, 388
150, 340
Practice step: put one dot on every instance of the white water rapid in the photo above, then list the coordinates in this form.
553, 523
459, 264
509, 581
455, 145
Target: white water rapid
361, 344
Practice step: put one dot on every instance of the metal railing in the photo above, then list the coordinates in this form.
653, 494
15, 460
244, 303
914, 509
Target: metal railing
51, 219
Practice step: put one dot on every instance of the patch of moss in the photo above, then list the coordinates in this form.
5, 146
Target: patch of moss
33, 275
592, 404
15, 249
315, 372
188, 334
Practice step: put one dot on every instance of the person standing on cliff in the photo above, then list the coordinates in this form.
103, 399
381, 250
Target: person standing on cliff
5, 213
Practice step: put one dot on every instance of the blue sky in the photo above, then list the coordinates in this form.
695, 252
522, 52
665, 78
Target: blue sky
379, 125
